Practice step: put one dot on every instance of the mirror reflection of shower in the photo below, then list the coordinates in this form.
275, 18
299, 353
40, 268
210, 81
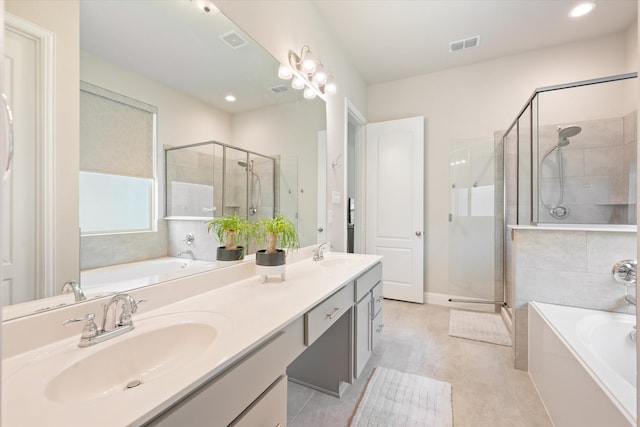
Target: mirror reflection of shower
255, 187
558, 210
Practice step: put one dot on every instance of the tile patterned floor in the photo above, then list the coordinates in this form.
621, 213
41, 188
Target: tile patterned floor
487, 391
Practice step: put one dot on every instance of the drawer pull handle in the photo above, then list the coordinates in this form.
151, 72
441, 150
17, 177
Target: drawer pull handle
380, 328
334, 313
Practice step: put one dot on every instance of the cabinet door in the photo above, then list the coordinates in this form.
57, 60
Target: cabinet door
376, 329
362, 334
269, 410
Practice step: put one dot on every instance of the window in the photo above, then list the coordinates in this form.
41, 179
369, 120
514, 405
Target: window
117, 163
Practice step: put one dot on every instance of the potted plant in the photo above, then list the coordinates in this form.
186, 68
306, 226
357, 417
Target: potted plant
230, 229
280, 236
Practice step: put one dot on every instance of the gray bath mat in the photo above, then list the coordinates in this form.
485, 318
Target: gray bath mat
487, 327
393, 398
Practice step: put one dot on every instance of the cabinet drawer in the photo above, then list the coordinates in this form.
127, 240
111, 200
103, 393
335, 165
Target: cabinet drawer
321, 317
376, 329
270, 409
367, 280
378, 299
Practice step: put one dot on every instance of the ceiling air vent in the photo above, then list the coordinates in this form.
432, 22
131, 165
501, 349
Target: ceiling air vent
464, 44
233, 39
280, 89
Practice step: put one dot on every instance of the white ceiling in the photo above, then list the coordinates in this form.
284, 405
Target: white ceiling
389, 40
386, 40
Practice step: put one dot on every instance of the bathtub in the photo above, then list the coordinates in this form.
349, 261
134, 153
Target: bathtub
583, 364
124, 277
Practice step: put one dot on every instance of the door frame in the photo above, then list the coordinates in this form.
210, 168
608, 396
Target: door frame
354, 117
45, 193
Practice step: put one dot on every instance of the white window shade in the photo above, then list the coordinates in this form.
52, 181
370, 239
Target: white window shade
116, 133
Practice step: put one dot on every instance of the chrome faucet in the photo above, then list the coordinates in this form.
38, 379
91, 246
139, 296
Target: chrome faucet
318, 253
73, 286
187, 252
92, 335
129, 307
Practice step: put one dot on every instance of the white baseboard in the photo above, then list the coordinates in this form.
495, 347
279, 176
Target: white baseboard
443, 300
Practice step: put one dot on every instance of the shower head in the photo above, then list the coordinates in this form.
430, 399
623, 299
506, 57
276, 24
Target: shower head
569, 131
564, 133
247, 167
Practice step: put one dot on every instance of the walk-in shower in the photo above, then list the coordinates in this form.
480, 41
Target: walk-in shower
557, 210
570, 155
255, 187
567, 160
211, 179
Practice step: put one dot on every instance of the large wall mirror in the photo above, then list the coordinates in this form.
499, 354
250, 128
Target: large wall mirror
157, 76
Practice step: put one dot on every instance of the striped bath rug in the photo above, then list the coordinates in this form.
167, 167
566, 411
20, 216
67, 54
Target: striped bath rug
487, 327
393, 399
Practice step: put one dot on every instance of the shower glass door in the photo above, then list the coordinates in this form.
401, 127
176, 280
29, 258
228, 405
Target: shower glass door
471, 221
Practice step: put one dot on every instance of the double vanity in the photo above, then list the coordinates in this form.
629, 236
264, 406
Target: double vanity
216, 348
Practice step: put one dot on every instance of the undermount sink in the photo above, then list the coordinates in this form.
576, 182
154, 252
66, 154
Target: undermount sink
341, 260
160, 349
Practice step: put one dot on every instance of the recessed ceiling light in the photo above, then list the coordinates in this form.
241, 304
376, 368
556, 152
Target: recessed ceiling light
582, 9
230, 98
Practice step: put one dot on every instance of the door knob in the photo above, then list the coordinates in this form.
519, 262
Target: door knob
418, 233
320, 229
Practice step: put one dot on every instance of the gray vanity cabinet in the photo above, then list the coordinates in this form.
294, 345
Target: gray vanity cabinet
251, 392
368, 316
268, 409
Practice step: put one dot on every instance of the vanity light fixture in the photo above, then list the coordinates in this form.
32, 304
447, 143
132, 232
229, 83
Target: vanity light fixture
308, 73
206, 7
582, 9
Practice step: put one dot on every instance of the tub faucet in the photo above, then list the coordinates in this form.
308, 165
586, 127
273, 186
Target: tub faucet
318, 253
73, 286
187, 252
91, 334
625, 273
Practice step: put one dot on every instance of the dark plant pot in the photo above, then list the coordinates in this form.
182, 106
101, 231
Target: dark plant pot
230, 254
271, 260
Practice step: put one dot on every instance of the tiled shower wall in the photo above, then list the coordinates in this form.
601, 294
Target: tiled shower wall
568, 267
599, 172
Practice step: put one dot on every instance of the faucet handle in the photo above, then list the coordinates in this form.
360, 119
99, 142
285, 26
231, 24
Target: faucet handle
90, 328
624, 272
127, 311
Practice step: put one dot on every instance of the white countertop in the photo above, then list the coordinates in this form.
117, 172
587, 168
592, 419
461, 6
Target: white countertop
248, 313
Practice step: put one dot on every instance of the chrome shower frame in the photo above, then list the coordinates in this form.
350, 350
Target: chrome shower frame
523, 210
531, 106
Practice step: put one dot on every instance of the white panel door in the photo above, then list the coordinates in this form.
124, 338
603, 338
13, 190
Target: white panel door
395, 211
19, 216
